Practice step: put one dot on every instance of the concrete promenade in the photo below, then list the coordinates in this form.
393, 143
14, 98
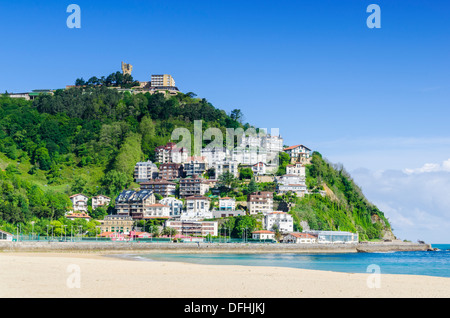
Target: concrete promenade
148, 247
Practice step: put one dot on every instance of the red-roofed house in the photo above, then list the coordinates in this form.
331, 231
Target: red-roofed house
263, 235
298, 237
298, 153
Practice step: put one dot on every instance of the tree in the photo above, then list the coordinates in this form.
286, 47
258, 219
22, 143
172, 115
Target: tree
227, 180
252, 186
129, 154
236, 115
147, 130
245, 173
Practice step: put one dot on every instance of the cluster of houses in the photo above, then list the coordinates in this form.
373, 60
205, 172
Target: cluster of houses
173, 188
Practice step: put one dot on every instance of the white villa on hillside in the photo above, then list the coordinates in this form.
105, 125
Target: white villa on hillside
79, 202
100, 200
282, 220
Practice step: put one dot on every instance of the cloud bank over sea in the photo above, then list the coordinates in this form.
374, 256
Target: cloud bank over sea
406, 178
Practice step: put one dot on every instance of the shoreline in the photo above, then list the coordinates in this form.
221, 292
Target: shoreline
54, 274
120, 247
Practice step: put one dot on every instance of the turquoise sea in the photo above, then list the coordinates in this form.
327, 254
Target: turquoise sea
433, 263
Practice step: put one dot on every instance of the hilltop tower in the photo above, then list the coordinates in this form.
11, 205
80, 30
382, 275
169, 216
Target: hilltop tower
126, 68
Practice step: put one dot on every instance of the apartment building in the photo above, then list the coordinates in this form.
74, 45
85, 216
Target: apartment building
293, 183
170, 171
116, 223
193, 186
161, 80
214, 154
260, 202
171, 153
193, 228
175, 206
282, 220
227, 204
221, 167
162, 187
197, 208
134, 204
195, 165
145, 171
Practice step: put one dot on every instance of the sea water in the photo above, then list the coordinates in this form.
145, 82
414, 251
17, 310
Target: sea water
431, 263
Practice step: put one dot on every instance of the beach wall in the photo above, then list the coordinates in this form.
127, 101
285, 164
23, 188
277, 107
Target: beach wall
148, 247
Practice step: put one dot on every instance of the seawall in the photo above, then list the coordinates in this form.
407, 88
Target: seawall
141, 247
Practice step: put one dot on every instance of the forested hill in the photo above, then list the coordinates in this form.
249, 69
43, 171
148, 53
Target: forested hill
87, 140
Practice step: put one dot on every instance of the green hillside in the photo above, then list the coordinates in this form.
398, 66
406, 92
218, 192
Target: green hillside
87, 140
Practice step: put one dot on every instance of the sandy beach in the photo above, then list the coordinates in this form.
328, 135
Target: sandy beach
94, 274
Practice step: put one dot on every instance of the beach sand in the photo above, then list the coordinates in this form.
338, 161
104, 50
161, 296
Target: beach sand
94, 275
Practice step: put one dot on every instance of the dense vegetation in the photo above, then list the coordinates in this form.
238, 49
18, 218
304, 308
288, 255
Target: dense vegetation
345, 208
85, 140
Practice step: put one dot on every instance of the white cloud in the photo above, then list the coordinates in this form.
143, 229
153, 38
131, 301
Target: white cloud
416, 204
431, 167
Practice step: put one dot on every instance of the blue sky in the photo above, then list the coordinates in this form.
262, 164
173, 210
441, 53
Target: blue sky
375, 100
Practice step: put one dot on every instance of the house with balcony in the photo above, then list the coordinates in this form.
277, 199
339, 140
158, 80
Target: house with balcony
298, 153
79, 202
260, 202
145, 171
170, 171
193, 186
100, 201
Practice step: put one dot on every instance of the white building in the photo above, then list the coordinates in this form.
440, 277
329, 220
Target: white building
227, 204
214, 154
6, 236
175, 205
145, 171
300, 238
220, 167
298, 153
259, 169
197, 208
297, 169
293, 183
79, 202
156, 210
248, 156
100, 200
282, 220
335, 236
263, 235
